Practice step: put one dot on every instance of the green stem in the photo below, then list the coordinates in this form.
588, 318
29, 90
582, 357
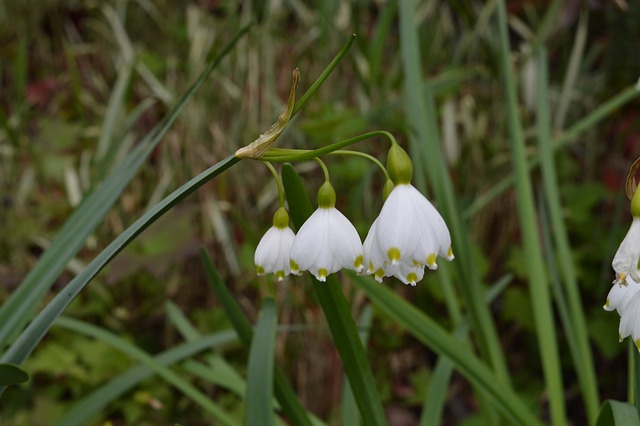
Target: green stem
274, 172
538, 285
364, 155
283, 155
324, 168
325, 74
577, 324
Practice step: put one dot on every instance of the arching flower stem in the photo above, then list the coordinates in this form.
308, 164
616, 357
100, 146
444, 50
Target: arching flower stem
276, 176
281, 155
364, 155
324, 168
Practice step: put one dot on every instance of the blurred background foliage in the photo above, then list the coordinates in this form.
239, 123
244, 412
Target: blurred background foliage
82, 80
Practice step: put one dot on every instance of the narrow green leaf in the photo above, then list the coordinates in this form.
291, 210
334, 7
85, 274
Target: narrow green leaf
260, 369
429, 162
349, 408
575, 325
91, 405
16, 311
11, 374
32, 335
537, 274
338, 315
291, 407
435, 337
616, 413
167, 374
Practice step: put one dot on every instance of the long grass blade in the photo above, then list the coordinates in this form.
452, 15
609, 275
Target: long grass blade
435, 337
29, 339
291, 407
338, 315
18, 309
577, 324
91, 405
260, 369
536, 272
429, 161
167, 374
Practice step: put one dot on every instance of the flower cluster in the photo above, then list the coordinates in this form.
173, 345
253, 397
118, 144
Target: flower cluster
407, 236
624, 295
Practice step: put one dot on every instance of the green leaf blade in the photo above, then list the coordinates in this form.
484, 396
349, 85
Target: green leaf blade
260, 370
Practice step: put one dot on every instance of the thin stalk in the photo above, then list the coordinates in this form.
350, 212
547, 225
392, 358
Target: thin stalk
429, 162
276, 176
367, 156
636, 375
325, 74
323, 166
283, 155
538, 285
560, 141
584, 361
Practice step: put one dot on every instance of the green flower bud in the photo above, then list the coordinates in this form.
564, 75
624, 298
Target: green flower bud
281, 218
635, 204
399, 165
326, 196
386, 190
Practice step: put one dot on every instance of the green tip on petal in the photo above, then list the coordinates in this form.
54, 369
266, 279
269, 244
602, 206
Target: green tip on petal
450, 253
399, 165
620, 339
359, 262
326, 196
635, 204
638, 344
259, 270
431, 261
293, 265
412, 278
281, 218
394, 254
379, 273
371, 267
322, 273
606, 304
280, 275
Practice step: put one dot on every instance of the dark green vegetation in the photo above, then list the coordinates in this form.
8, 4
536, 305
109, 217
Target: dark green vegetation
81, 82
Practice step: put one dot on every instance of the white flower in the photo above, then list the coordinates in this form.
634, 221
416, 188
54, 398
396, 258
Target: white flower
626, 259
272, 253
408, 234
630, 319
620, 294
326, 243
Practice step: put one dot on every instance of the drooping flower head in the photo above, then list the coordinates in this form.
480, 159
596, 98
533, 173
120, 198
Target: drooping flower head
409, 233
272, 253
624, 295
327, 241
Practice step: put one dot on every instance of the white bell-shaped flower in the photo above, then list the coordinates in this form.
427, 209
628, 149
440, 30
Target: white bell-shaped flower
628, 255
327, 241
630, 320
272, 253
409, 233
621, 292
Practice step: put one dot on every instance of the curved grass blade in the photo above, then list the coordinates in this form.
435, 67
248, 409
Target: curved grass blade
538, 284
259, 409
291, 407
618, 413
29, 339
167, 374
16, 311
89, 406
435, 337
11, 374
338, 315
349, 411
429, 162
